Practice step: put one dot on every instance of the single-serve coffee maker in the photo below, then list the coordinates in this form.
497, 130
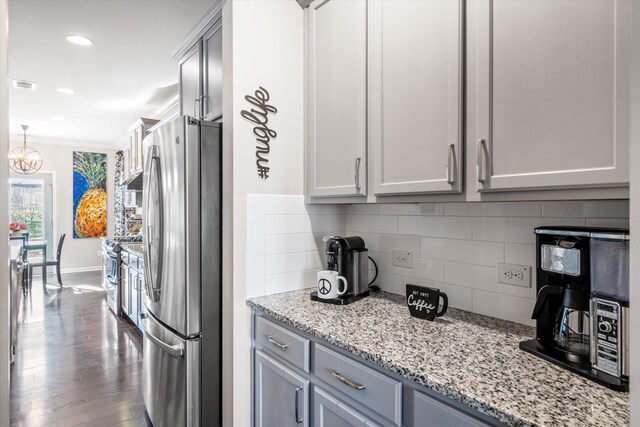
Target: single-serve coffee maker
349, 257
581, 311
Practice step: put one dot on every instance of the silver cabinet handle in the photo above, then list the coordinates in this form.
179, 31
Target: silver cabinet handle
196, 102
479, 151
203, 106
357, 174
348, 382
276, 343
297, 405
172, 350
450, 164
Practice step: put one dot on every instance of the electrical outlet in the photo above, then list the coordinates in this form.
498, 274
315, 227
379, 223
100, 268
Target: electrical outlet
512, 274
99, 253
402, 259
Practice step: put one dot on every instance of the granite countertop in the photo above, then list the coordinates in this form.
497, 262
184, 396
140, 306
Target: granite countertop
135, 248
467, 357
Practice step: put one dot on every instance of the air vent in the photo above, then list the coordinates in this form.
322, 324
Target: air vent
23, 84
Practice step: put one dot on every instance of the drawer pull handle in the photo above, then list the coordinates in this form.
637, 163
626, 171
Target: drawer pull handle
297, 405
276, 343
348, 382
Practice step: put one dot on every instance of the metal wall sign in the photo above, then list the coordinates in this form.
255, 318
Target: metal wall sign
258, 115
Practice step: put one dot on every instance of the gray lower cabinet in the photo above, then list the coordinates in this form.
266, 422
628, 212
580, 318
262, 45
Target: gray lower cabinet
281, 396
345, 392
132, 285
328, 411
428, 412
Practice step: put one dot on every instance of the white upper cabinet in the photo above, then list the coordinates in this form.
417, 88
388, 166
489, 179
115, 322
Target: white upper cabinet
415, 96
549, 93
337, 98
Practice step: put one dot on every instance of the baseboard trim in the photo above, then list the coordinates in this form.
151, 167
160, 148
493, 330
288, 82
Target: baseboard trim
50, 270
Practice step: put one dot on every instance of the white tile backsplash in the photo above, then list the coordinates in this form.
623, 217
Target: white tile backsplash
373, 223
467, 251
284, 242
456, 246
445, 226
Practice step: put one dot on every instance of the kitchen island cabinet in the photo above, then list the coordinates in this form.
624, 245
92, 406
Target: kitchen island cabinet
463, 369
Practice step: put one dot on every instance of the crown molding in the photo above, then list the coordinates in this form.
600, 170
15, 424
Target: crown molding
198, 31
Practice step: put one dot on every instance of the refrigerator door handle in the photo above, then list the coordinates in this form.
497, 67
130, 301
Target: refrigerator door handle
155, 213
172, 350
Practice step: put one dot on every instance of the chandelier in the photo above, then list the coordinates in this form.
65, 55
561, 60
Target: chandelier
25, 160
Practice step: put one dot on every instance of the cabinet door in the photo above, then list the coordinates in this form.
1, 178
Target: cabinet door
337, 98
125, 289
329, 412
140, 299
212, 72
133, 153
415, 96
139, 135
551, 93
190, 81
429, 412
281, 395
135, 301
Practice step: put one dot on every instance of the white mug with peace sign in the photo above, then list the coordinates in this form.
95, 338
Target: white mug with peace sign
329, 284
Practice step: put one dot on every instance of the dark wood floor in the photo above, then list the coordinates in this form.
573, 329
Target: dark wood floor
76, 363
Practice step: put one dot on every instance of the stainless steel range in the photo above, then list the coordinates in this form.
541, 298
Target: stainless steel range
111, 274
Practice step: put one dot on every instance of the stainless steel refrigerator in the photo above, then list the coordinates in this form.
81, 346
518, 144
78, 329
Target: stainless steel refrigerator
182, 237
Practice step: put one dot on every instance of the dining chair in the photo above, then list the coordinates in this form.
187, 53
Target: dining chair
49, 262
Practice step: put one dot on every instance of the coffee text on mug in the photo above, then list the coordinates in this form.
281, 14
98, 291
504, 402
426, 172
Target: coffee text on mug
419, 304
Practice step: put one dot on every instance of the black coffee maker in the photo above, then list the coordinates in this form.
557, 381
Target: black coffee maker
350, 258
562, 308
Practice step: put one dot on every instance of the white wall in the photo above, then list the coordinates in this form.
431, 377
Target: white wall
267, 50
4, 274
635, 219
77, 254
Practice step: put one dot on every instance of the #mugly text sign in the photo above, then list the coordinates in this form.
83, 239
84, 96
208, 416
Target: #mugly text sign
259, 116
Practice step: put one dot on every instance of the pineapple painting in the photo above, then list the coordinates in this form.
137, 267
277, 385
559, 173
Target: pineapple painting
89, 194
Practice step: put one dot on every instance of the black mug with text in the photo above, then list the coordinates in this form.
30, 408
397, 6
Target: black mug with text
423, 302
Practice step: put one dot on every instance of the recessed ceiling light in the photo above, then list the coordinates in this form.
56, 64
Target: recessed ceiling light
79, 40
23, 84
58, 118
66, 91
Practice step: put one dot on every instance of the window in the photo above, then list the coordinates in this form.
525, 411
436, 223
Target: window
31, 203
27, 205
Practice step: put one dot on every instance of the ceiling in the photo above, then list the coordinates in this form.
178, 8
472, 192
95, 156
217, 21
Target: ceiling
128, 72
